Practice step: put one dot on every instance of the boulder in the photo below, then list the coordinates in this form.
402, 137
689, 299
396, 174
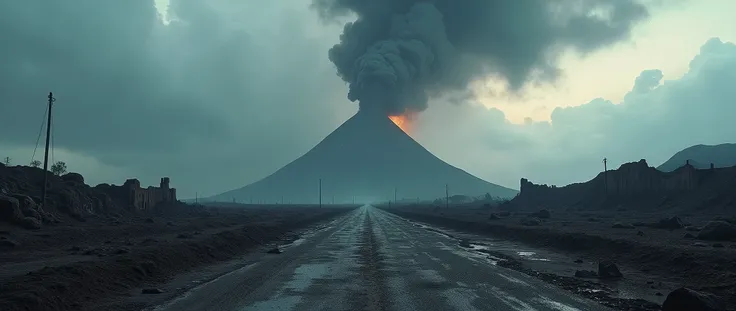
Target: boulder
30, 223
493, 217
7, 243
718, 231
74, 178
531, 222
685, 299
608, 270
671, 223
10, 209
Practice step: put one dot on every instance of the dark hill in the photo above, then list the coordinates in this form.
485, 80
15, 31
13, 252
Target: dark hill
701, 156
366, 157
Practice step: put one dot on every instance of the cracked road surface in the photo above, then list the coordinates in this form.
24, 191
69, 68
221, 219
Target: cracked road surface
374, 260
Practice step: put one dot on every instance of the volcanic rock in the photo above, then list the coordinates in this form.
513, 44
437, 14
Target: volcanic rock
718, 231
608, 270
685, 299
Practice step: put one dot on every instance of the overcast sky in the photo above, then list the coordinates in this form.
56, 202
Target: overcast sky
229, 91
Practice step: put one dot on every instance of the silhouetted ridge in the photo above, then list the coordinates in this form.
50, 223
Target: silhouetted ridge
701, 156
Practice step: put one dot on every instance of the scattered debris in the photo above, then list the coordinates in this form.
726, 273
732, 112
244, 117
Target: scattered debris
608, 270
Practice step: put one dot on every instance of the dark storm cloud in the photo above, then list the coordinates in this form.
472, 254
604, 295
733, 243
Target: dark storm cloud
215, 96
400, 52
102, 60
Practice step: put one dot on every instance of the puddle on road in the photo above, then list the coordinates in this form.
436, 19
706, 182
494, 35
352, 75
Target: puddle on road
555, 305
305, 275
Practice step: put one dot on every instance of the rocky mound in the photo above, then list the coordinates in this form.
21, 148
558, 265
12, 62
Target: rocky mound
67, 197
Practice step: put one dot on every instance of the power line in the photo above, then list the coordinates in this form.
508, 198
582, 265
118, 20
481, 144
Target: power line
52, 140
40, 131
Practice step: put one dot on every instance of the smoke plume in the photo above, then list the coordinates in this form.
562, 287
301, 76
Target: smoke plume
399, 53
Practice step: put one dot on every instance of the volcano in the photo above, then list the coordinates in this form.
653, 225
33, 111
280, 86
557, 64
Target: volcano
367, 158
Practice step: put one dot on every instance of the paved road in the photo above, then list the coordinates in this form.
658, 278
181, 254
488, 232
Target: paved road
374, 260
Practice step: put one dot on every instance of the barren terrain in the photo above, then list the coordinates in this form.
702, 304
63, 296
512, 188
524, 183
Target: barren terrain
76, 265
658, 259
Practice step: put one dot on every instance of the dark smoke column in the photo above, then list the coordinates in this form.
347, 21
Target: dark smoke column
399, 53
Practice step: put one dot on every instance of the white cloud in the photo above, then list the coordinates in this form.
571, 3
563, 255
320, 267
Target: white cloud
656, 119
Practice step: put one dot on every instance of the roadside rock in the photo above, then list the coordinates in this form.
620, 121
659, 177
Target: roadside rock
543, 214
493, 217
275, 250
718, 231
30, 223
671, 223
685, 299
608, 270
10, 209
531, 222
7, 243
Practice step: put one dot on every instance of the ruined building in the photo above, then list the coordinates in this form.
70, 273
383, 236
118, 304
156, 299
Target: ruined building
145, 198
631, 181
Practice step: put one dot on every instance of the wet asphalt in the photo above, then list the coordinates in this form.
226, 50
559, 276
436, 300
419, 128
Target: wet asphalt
373, 260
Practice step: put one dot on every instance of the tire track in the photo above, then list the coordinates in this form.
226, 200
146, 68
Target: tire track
374, 296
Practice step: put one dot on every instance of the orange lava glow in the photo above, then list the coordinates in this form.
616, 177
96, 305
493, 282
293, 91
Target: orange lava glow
403, 121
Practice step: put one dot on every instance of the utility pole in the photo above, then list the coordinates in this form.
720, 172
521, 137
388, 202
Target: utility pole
605, 174
282, 199
196, 197
447, 197
395, 201
320, 192
46, 152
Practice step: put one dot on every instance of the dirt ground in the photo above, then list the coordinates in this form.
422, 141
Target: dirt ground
71, 265
669, 256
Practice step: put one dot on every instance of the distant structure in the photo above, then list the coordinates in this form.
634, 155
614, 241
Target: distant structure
145, 198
